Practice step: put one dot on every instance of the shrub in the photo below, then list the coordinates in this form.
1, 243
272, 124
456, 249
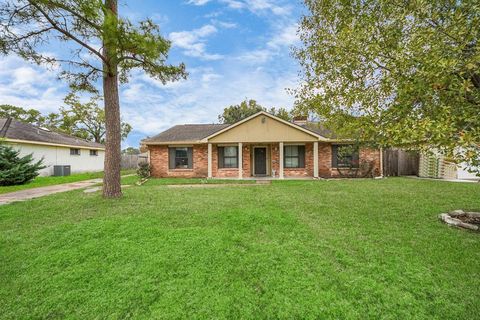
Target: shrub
15, 169
143, 170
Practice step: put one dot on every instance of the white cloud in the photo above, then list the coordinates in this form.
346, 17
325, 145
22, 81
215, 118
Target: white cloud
29, 86
198, 2
286, 36
254, 6
151, 107
193, 42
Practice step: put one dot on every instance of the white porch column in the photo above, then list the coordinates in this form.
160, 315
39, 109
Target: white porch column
240, 160
280, 150
315, 159
209, 160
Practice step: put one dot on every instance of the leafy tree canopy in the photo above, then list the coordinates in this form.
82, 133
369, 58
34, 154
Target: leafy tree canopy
248, 107
86, 120
395, 73
31, 116
131, 151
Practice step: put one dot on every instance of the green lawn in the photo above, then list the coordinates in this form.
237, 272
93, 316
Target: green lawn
351, 249
49, 181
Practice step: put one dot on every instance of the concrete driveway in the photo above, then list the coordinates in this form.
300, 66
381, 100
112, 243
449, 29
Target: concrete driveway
45, 191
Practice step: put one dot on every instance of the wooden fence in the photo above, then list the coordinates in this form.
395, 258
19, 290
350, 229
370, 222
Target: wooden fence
398, 162
131, 161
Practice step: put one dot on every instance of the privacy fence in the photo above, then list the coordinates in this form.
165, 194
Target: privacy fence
398, 162
131, 161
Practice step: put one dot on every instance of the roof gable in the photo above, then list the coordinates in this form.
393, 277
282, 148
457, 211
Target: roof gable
263, 127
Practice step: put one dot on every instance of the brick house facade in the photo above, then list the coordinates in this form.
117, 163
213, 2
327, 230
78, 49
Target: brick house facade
218, 151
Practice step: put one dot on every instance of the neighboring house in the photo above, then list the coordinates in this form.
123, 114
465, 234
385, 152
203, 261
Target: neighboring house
260, 145
435, 165
55, 148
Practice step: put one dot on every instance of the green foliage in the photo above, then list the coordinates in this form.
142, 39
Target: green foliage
87, 120
31, 116
395, 73
248, 107
15, 170
143, 170
131, 151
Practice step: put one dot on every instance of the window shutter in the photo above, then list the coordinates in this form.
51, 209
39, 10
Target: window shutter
220, 155
190, 158
334, 156
301, 156
171, 158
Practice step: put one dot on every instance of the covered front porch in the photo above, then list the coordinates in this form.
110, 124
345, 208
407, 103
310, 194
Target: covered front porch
263, 160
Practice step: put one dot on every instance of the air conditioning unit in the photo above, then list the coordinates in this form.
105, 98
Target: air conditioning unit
59, 171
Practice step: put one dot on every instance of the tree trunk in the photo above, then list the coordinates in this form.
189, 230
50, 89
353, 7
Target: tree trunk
111, 178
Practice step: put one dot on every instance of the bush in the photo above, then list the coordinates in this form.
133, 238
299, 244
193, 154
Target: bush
15, 169
143, 170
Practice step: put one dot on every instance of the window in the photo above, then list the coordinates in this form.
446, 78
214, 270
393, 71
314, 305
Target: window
94, 152
180, 158
345, 156
228, 157
74, 152
294, 156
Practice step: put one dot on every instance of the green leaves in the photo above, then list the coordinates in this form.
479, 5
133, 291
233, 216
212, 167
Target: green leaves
16, 170
394, 74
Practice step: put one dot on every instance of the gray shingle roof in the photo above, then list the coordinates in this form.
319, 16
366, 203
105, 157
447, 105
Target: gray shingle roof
186, 132
318, 128
13, 129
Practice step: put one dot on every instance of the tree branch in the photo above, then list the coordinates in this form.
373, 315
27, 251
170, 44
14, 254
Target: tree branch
68, 34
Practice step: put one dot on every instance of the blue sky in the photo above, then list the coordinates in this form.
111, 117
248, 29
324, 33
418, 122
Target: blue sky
233, 49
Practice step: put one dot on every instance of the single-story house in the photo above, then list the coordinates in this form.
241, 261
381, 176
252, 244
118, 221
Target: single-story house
55, 148
261, 145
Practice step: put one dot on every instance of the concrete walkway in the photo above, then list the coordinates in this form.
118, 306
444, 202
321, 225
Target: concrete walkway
28, 194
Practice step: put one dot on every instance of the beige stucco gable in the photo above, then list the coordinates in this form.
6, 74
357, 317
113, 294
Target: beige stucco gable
263, 128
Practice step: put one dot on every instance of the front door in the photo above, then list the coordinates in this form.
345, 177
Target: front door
260, 156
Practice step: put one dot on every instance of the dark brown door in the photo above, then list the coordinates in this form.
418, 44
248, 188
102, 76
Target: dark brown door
260, 161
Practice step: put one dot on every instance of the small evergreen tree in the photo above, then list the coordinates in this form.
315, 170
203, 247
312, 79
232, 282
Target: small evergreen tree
15, 169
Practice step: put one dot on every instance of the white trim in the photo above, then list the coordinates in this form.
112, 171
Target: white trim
180, 146
280, 147
209, 161
50, 144
270, 116
315, 159
381, 162
267, 159
163, 143
240, 160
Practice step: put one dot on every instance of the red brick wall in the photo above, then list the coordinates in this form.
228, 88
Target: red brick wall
159, 162
302, 172
325, 160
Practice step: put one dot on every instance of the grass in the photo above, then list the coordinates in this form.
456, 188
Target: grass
50, 181
344, 249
